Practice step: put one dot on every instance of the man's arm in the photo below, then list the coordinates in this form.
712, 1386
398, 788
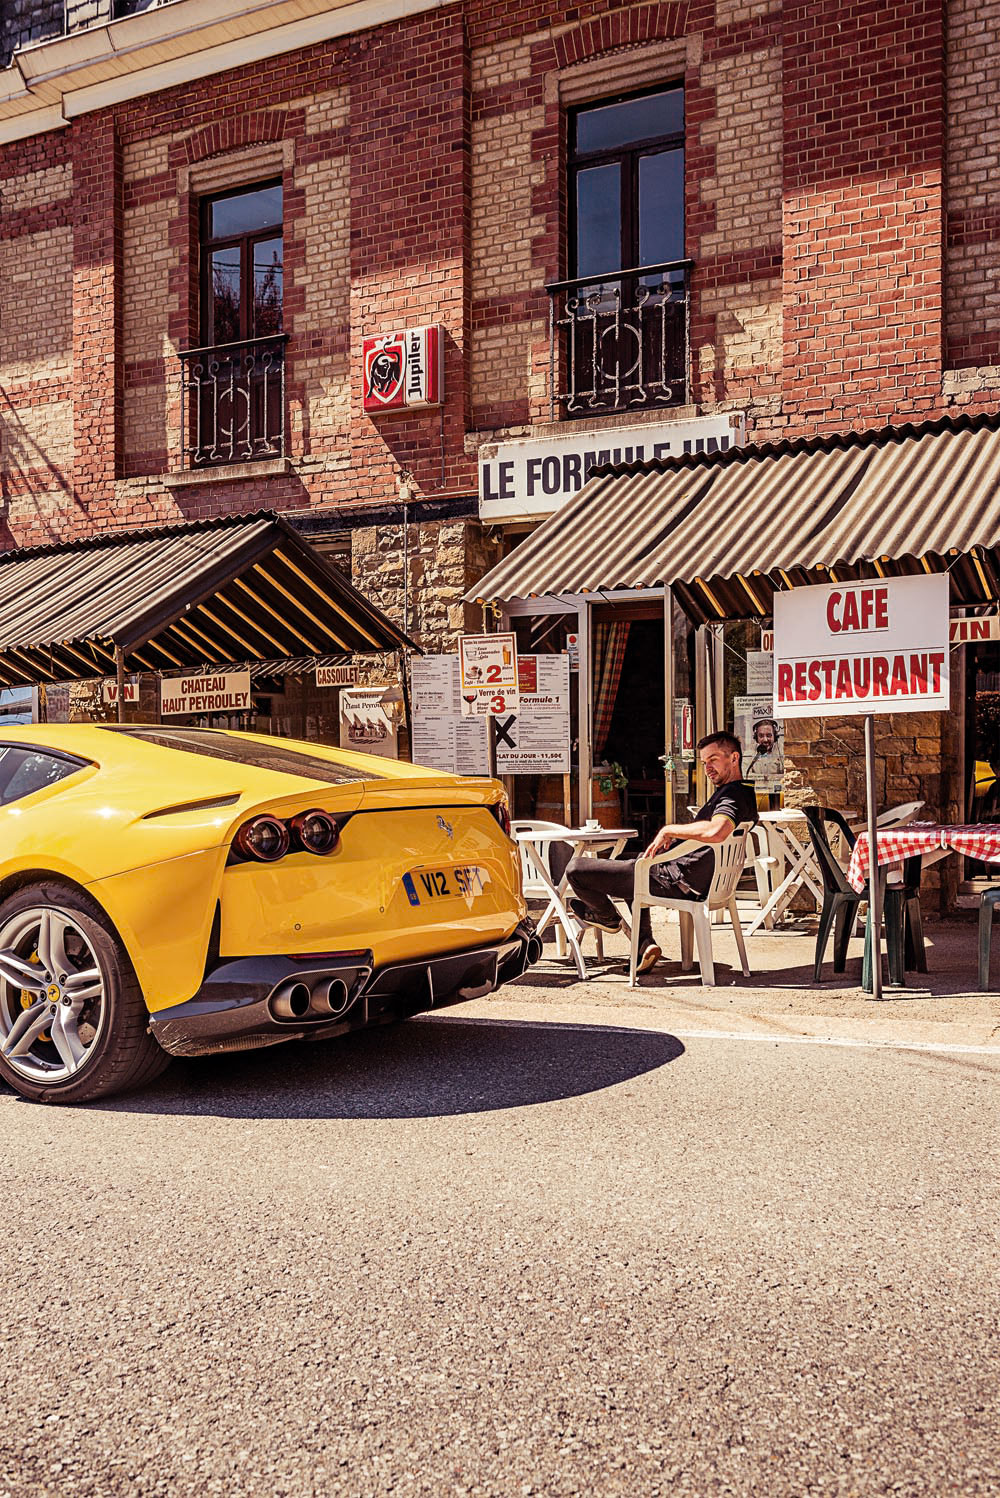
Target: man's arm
714, 830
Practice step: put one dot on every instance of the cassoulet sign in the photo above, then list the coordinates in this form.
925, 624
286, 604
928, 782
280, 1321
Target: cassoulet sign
227, 692
867, 647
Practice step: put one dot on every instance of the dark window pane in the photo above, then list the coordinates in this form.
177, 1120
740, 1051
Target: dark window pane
610, 126
224, 296
598, 219
264, 754
267, 291
245, 213
661, 207
23, 771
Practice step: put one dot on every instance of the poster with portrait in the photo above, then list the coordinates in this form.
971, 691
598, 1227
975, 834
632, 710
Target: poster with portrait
763, 740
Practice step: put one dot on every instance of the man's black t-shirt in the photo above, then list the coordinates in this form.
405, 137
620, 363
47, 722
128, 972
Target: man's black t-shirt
737, 800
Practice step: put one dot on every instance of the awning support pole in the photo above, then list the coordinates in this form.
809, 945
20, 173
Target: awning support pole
120, 673
874, 884
668, 704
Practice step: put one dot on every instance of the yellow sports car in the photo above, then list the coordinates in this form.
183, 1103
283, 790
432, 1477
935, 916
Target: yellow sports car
178, 891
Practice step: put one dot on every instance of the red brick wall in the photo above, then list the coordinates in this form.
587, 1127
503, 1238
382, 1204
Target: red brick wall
426, 184
863, 92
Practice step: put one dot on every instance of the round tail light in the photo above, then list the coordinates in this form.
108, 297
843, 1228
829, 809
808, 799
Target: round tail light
262, 838
316, 831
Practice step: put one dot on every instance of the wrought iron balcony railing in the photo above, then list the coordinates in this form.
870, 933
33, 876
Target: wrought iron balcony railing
233, 402
621, 341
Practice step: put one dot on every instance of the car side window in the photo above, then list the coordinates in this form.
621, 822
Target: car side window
23, 771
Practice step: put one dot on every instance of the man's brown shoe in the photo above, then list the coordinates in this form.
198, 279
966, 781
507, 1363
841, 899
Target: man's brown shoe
649, 957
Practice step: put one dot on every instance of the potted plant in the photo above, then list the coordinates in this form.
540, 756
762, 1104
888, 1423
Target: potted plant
608, 783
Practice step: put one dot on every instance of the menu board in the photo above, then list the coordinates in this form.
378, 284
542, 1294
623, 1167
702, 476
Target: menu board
442, 739
536, 739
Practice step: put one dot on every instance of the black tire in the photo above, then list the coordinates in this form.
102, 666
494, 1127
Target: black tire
122, 1054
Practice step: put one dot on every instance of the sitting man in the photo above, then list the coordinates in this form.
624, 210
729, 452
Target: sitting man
594, 880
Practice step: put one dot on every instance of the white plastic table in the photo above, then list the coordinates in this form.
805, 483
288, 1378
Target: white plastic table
788, 846
586, 841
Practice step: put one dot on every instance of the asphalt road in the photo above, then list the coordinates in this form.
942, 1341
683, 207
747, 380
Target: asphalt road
470, 1257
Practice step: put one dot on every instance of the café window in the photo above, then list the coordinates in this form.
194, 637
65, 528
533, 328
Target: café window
234, 382
624, 307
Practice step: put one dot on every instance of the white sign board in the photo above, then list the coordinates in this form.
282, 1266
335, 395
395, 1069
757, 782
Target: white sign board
441, 738
866, 647
760, 673
336, 676
536, 740
365, 724
227, 692
488, 674
522, 480
970, 631
109, 691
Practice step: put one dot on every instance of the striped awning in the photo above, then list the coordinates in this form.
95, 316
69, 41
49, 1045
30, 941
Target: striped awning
239, 588
727, 530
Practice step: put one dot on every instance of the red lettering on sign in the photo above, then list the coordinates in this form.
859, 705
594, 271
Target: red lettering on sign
900, 680
862, 678
918, 673
936, 662
800, 679
863, 609
784, 683
880, 676
815, 684
844, 688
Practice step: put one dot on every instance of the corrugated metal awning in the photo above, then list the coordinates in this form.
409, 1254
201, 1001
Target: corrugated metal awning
727, 530
239, 588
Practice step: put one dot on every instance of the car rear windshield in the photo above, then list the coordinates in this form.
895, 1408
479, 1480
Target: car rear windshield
269, 754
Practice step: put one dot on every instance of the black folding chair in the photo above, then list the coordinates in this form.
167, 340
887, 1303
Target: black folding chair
840, 899
903, 924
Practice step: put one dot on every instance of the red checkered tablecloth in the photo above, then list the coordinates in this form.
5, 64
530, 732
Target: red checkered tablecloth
976, 840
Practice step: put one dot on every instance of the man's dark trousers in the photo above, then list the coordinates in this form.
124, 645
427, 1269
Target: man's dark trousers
595, 880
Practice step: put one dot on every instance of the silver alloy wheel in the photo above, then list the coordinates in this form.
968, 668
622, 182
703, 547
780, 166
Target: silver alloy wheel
52, 997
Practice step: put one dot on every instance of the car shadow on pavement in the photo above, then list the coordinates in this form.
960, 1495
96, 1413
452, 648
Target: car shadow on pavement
425, 1068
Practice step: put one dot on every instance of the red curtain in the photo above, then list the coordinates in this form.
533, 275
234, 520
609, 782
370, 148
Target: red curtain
609, 655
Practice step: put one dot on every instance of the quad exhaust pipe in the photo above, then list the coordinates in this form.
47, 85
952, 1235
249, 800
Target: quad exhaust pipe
534, 950
329, 998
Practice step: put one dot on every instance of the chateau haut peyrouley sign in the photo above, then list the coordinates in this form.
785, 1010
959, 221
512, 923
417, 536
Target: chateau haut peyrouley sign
862, 647
522, 480
217, 692
403, 370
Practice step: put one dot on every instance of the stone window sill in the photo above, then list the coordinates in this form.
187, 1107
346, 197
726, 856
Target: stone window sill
226, 473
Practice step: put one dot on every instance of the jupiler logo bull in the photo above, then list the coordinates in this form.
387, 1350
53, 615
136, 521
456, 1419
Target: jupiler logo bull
385, 373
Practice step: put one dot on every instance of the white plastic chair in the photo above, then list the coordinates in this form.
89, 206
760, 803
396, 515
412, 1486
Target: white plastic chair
532, 881
695, 916
900, 816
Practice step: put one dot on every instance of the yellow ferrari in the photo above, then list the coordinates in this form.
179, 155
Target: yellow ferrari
180, 891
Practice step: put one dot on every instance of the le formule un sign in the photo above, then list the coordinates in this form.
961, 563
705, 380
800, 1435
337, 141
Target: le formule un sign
868, 647
522, 480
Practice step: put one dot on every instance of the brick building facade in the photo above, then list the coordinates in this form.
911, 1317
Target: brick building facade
843, 245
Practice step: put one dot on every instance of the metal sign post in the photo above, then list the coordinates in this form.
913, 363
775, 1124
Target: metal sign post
874, 885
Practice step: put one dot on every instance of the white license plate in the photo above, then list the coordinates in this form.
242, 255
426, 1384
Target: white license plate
462, 881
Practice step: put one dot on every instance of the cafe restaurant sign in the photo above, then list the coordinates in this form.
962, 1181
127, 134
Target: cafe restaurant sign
866, 647
219, 692
526, 480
